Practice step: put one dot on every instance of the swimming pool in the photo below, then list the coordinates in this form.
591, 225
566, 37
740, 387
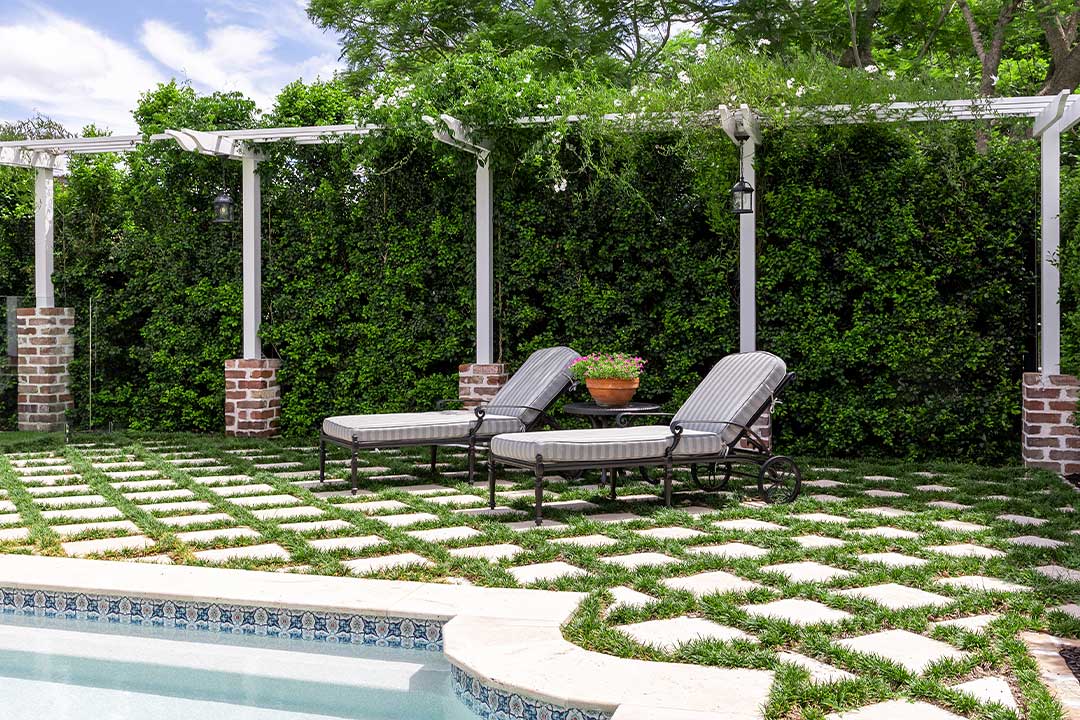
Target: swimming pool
66, 669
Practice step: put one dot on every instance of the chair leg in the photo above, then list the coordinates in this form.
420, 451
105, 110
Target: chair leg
322, 460
667, 483
355, 483
539, 490
491, 482
434, 457
472, 460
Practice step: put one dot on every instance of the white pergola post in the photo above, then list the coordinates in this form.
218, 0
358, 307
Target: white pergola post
484, 264
748, 257
252, 255
1049, 286
43, 238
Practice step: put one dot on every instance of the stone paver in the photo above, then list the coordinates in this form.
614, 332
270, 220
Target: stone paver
43, 490
989, 690
615, 518
454, 500
935, 488
278, 513
826, 498
1035, 541
947, 505
981, 582
540, 572
485, 511
817, 542
365, 566
189, 520
405, 519
357, 543
959, 526
670, 633
707, 583
1022, 519
887, 532
203, 536
822, 517
747, 524
105, 545
1071, 609
443, 534
965, 550
807, 571
182, 506
143, 485
109, 526
820, 673
729, 550
265, 500
825, 484
911, 651
245, 489
586, 541
220, 479
887, 512
488, 552
896, 710
428, 489
93, 513
268, 551
896, 597
155, 495
797, 612
65, 501
670, 533
374, 506
315, 525
14, 534
885, 493
1057, 572
891, 559
971, 623
628, 598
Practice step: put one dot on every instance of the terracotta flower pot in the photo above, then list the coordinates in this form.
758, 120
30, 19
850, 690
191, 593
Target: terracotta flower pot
612, 392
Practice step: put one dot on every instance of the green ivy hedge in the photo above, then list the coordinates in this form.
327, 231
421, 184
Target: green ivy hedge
896, 273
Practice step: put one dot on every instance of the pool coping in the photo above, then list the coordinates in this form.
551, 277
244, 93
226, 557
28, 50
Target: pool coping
506, 644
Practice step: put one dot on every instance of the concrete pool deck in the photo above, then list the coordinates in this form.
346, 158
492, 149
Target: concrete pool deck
505, 639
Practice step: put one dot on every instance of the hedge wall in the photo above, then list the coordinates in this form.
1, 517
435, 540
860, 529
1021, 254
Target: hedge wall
895, 275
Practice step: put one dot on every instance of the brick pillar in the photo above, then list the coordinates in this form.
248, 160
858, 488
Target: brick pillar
763, 428
252, 398
479, 383
46, 347
1051, 440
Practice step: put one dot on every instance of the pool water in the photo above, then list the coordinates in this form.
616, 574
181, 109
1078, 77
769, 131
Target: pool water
65, 669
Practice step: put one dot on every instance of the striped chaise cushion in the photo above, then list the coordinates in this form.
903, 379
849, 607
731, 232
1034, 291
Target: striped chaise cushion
737, 387
536, 384
415, 427
607, 444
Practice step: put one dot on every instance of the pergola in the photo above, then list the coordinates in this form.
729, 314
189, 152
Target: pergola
1050, 116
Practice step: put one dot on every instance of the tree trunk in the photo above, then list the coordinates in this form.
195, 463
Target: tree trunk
1064, 73
860, 51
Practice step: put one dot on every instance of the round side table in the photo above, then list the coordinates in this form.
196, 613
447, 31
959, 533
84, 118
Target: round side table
600, 416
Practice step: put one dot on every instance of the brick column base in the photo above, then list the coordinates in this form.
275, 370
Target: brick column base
1051, 440
763, 427
479, 383
46, 347
252, 398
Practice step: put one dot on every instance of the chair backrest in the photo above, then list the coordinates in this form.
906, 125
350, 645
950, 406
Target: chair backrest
537, 383
736, 391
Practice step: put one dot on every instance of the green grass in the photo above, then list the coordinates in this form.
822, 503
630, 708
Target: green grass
995, 651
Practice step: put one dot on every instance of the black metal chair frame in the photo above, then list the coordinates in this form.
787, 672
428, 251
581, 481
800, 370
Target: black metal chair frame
758, 454
473, 439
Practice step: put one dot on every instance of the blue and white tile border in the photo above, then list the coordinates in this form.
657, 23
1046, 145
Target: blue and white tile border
494, 704
380, 631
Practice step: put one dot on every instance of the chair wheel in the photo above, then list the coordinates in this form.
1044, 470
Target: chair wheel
779, 480
717, 479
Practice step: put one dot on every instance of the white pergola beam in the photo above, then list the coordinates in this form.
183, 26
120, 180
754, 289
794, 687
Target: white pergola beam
43, 239
1050, 114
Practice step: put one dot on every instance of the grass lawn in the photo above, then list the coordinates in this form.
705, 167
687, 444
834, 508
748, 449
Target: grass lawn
826, 526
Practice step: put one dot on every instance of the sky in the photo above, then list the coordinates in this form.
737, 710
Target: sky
87, 62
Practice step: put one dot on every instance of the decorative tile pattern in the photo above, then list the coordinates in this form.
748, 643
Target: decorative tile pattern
339, 628
494, 704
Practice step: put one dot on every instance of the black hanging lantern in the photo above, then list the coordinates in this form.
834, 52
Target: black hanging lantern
742, 192
223, 208
223, 203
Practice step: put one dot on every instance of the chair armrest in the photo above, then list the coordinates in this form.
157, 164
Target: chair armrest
623, 418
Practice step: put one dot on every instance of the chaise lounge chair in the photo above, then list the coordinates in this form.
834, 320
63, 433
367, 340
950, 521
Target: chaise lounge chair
520, 405
713, 426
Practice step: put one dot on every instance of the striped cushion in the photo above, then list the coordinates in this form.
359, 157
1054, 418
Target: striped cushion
646, 442
737, 387
536, 384
415, 427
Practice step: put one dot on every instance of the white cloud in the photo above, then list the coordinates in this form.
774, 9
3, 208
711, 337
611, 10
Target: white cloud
71, 72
